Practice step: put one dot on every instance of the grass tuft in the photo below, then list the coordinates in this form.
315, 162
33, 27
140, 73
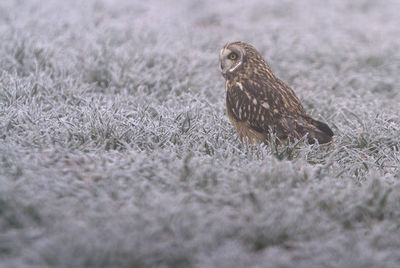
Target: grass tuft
116, 151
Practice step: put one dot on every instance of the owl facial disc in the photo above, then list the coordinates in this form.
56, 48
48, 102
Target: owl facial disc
229, 65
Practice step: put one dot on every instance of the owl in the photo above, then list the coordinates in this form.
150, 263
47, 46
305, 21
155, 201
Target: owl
258, 103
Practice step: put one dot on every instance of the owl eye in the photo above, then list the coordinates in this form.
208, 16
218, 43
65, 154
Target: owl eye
232, 56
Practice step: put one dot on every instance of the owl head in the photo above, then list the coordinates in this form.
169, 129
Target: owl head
232, 57
243, 59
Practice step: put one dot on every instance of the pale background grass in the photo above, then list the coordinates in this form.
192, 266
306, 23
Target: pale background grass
115, 149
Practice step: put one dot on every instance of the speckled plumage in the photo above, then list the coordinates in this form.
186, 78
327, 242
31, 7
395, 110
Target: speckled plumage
258, 102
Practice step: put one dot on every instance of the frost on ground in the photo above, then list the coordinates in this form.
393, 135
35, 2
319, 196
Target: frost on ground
115, 149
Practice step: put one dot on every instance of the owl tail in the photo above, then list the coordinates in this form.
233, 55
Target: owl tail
322, 132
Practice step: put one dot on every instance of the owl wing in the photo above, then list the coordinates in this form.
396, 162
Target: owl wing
250, 106
273, 107
277, 94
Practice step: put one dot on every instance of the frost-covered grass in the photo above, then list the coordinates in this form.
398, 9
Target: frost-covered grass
115, 149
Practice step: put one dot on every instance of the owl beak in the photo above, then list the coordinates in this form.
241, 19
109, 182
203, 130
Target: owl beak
222, 69
222, 61
224, 66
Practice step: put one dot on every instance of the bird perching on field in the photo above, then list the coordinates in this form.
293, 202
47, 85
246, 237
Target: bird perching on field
259, 103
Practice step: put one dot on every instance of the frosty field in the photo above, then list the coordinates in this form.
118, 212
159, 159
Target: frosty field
116, 150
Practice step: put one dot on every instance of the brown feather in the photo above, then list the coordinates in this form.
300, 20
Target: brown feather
258, 102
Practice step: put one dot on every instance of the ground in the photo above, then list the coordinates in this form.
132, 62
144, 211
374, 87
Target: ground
116, 150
